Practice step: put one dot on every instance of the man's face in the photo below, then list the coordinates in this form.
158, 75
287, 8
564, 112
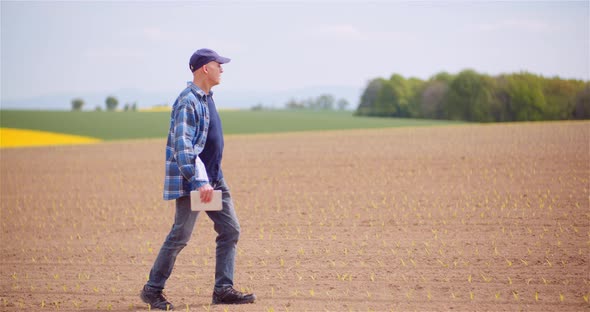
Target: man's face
214, 71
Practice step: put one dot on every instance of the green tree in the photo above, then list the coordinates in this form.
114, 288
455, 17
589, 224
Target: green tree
526, 99
431, 99
77, 104
432, 95
413, 89
369, 98
582, 106
501, 110
560, 96
111, 103
443, 77
386, 103
342, 104
258, 107
325, 101
397, 99
294, 104
470, 97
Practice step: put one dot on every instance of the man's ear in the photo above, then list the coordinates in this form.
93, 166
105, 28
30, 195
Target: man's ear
205, 69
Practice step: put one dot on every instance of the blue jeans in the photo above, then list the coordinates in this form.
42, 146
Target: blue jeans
228, 232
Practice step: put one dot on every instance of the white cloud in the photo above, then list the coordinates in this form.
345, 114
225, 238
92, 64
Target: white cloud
155, 34
516, 25
340, 31
114, 53
152, 34
350, 32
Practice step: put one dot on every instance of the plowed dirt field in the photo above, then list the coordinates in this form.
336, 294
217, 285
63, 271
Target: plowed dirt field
462, 218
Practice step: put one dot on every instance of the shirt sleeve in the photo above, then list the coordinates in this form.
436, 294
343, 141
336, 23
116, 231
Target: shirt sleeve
185, 130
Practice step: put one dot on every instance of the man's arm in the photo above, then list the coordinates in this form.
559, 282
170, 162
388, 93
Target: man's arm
185, 130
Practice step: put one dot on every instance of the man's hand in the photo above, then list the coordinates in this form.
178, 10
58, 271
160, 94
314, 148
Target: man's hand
206, 193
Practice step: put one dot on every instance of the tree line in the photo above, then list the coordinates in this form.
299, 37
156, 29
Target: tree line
472, 96
111, 104
321, 102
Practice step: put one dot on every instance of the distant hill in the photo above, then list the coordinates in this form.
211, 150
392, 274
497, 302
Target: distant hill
225, 98
91, 100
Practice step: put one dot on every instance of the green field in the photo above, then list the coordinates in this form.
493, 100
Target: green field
134, 125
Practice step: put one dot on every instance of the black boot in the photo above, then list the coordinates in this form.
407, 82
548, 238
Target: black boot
155, 298
229, 295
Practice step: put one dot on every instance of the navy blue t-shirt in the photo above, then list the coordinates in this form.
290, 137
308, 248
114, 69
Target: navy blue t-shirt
213, 151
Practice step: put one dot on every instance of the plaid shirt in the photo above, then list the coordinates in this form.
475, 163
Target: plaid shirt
189, 123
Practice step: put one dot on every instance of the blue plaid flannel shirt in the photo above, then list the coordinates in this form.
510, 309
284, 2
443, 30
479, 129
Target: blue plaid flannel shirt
189, 123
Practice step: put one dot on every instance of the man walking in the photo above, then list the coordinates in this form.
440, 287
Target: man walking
196, 137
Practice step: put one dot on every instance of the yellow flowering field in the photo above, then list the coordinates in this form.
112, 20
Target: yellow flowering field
10, 137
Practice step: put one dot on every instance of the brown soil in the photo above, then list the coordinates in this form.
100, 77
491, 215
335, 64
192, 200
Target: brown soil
463, 218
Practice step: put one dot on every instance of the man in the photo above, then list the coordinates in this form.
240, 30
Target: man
196, 136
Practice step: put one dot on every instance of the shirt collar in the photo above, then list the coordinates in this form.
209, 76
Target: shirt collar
198, 90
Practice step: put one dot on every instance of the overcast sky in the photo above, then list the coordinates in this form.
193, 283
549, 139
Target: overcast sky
54, 47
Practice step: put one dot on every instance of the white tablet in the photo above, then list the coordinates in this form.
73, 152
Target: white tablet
214, 205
